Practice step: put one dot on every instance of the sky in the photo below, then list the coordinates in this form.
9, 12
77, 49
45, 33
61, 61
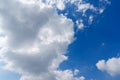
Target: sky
59, 40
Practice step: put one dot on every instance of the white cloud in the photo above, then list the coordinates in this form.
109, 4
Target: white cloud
82, 7
37, 39
111, 66
91, 19
76, 71
68, 75
60, 4
80, 24
60, 75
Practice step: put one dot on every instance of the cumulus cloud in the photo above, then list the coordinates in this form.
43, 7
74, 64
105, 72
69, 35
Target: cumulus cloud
85, 9
111, 66
34, 41
34, 38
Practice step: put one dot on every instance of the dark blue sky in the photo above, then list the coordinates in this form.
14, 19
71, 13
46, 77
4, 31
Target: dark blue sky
101, 40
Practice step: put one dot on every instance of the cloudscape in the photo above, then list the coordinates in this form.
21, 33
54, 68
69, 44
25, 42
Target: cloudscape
59, 40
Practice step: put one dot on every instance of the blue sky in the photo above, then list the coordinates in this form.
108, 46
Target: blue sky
97, 41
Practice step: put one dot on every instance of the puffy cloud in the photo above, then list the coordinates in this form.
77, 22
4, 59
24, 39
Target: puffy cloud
34, 41
111, 66
34, 38
80, 24
68, 74
83, 7
60, 75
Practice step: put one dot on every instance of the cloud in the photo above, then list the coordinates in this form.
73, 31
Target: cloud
111, 66
60, 75
87, 11
34, 38
35, 41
